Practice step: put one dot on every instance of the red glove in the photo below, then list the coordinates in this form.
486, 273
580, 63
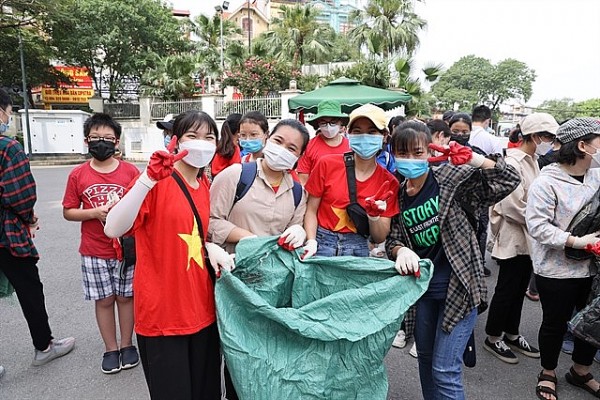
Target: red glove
593, 248
377, 204
161, 162
284, 245
454, 152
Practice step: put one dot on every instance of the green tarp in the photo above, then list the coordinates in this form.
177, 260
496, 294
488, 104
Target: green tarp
6, 288
315, 329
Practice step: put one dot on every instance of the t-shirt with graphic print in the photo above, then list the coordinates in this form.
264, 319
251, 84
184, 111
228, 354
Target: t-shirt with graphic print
88, 188
420, 215
328, 181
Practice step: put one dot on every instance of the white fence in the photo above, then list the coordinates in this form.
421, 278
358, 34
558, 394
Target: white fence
159, 109
270, 107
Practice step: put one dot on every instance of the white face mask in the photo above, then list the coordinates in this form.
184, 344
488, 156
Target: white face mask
330, 131
595, 160
200, 152
543, 148
278, 158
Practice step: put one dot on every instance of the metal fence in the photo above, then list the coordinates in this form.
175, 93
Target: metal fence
159, 109
122, 110
270, 107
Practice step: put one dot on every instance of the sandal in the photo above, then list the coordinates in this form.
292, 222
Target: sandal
532, 296
581, 381
539, 389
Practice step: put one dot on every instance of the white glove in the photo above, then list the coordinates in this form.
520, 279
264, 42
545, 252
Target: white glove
476, 161
407, 261
295, 236
310, 249
145, 180
583, 241
219, 258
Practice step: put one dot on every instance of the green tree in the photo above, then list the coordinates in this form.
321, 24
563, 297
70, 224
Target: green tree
588, 108
387, 28
172, 78
421, 102
374, 73
298, 37
25, 13
116, 40
560, 109
475, 80
208, 32
259, 77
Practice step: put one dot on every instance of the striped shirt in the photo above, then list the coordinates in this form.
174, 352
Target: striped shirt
17, 198
461, 188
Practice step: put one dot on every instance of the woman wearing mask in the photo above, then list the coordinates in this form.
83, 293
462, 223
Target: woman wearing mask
329, 228
273, 205
254, 131
555, 197
328, 121
433, 224
512, 243
228, 150
174, 303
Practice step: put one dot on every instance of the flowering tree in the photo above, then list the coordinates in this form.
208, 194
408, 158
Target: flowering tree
259, 77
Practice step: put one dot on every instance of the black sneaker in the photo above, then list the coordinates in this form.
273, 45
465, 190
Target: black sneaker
521, 345
500, 350
129, 357
111, 363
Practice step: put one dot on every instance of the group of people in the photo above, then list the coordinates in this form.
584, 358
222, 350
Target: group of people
420, 190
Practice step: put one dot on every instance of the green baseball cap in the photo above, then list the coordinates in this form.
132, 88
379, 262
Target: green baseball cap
328, 108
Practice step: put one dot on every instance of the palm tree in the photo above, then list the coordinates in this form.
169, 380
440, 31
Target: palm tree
419, 105
298, 37
387, 28
172, 78
208, 31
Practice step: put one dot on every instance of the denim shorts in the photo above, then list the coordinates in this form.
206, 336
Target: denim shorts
333, 244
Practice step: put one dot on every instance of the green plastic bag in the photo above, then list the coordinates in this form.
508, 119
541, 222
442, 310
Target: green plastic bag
314, 329
6, 288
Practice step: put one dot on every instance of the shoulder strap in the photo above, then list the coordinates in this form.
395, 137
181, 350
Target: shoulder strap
188, 196
297, 192
247, 177
350, 175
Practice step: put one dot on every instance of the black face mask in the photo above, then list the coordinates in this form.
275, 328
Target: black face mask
460, 139
101, 150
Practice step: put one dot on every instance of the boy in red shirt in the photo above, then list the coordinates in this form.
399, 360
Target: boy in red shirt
91, 190
328, 121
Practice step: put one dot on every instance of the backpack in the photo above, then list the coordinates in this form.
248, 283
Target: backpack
247, 176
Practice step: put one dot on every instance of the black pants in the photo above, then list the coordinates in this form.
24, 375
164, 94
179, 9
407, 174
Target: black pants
23, 275
559, 297
182, 367
504, 315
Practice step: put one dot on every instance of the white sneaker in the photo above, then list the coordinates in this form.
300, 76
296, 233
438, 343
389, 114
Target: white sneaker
400, 340
413, 350
57, 348
1, 371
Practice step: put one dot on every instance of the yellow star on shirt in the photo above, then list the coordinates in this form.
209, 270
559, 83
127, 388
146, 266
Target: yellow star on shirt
344, 220
194, 243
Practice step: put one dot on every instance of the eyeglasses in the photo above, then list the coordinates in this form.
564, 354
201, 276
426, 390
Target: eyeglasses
104, 139
330, 123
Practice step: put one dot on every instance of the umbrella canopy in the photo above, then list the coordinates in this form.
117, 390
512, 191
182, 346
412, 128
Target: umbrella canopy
351, 94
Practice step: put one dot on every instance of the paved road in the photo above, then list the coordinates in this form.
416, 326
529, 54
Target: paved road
78, 376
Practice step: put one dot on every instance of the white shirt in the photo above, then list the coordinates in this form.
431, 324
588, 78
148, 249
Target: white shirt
487, 142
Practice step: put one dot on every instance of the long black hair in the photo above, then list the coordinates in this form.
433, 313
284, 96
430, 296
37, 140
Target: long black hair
226, 144
192, 120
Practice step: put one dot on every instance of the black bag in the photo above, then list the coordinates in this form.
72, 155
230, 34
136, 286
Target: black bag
587, 220
128, 246
357, 214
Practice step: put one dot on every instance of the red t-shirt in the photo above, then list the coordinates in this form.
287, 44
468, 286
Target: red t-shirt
90, 188
328, 181
316, 149
173, 290
219, 163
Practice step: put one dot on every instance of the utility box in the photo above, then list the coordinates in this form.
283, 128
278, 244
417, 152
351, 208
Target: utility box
55, 131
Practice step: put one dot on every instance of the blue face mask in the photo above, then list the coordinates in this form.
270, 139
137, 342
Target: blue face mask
252, 145
411, 168
365, 145
4, 126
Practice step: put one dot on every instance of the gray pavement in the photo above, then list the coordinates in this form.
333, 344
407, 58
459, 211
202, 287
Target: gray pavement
78, 375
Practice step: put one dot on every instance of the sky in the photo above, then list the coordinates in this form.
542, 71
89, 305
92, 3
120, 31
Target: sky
559, 39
